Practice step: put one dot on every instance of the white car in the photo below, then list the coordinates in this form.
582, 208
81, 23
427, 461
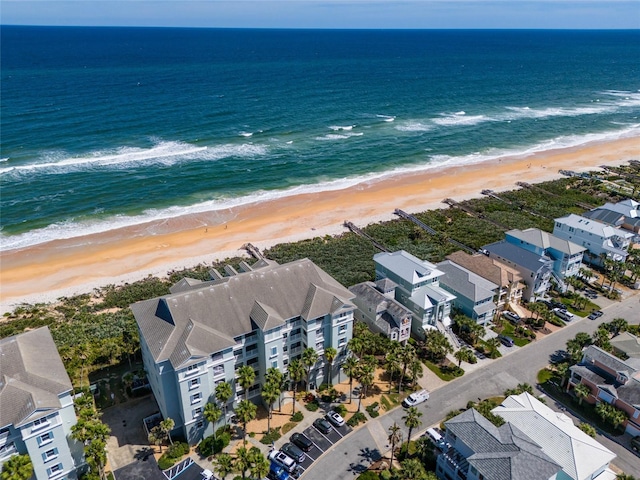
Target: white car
207, 475
415, 398
335, 418
282, 459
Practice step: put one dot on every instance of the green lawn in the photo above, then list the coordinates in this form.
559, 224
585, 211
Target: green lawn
509, 330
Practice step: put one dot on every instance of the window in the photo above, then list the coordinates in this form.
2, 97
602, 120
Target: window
252, 348
295, 331
320, 345
196, 398
193, 384
286, 362
50, 454
342, 329
54, 470
285, 335
295, 345
217, 356
274, 364
274, 352
191, 369
252, 361
218, 370
342, 342
40, 423
197, 412
200, 424
45, 438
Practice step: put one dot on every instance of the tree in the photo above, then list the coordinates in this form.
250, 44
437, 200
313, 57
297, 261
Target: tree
412, 420
243, 461
350, 368
156, 437
223, 464
224, 394
463, 355
18, 467
274, 377
406, 355
365, 375
625, 476
617, 417
246, 377
166, 426
392, 362
260, 464
437, 345
270, 393
412, 469
416, 370
246, 411
96, 455
296, 373
309, 359
582, 391
212, 414
395, 437
601, 338
588, 429
356, 345
330, 355
617, 325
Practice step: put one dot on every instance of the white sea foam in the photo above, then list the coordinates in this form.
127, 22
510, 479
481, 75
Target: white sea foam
413, 126
166, 153
4, 159
71, 229
387, 118
339, 136
518, 113
460, 118
246, 134
623, 98
337, 128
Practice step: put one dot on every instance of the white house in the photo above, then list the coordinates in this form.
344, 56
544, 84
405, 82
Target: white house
418, 289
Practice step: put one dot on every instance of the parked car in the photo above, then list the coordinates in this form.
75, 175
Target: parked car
635, 443
512, 317
322, 425
288, 463
301, 441
506, 341
415, 398
207, 475
545, 302
595, 314
563, 314
294, 452
335, 418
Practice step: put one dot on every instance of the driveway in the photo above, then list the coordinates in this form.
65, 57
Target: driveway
128, 442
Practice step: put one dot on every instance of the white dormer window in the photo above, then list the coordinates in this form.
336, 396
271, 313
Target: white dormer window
40, 423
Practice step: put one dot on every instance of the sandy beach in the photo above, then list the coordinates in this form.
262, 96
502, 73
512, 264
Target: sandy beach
48, 271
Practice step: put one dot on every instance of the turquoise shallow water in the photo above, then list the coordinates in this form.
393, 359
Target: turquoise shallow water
107, 127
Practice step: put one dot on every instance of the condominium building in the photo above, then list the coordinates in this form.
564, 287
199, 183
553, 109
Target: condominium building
418, 289
200, 334
36, 406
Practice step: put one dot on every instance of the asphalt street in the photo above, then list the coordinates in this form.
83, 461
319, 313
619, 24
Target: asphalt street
359, 449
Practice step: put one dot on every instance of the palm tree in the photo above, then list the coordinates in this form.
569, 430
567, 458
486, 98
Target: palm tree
270, 393
412, 469
601, 338
260, 464
416, 370
392, 362
156, 436
212, 414
617, 417
588, 429
412, 420
357, 346
350, 368
96, 455
243, 461
395, 437
296, 373
625, 476
582, 391
224, 394
407, 354
246, 411
275, 378
246, 376
223, 464
18, 467
166, 426
309, 359
330, 355
463, 355
365, 375
618, 325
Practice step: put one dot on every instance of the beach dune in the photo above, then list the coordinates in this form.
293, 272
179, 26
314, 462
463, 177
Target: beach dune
45, 272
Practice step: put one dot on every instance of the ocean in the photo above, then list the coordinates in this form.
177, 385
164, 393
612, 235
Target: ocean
110, 127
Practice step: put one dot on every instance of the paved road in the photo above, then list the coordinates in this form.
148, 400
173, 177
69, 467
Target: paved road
356, 452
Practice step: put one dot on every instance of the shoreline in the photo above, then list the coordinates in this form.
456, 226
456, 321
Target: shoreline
79, 265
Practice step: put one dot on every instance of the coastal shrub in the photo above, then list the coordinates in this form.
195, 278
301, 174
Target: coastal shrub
271, 437
373, 410
368, 475
213, 445
356, 419
312, 406
297, 417
165, 462
341, 409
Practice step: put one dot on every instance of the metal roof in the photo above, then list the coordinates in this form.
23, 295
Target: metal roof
407, 266
465, 282
519, 256
545, 240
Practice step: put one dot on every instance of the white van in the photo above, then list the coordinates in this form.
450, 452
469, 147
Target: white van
415, 398
436, 438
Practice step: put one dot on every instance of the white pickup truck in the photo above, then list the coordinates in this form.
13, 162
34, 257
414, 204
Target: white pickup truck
415, 398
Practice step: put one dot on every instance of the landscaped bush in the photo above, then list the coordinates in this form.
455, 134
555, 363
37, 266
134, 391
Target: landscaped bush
341, 409
313, 406
356, 418
297, 417
172, 455
373, 410
165, 462
213, 445
368, 475
330, 395
271, 437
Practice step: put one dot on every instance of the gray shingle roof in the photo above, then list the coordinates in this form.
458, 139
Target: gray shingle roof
605, 216
32, 377
465, 282
220, 311
504, 453
519, 256
393, 311
627, 343
407, 266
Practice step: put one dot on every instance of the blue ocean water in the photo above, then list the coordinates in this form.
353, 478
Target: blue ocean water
108, 127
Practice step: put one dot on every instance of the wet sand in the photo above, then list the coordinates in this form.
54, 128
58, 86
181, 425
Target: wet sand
48, 271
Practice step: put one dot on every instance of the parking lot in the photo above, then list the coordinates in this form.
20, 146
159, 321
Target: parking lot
321, 442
